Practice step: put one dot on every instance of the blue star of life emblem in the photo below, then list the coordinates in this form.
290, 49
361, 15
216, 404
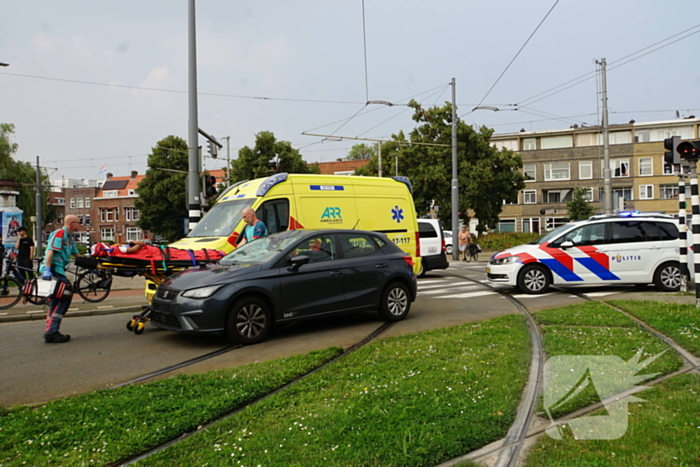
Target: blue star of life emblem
397, 214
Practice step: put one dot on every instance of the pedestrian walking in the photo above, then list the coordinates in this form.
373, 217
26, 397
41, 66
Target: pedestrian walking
465, 239
25, 254
59, 249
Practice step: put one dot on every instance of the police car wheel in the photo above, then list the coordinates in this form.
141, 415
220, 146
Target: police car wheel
668, 277
249, 321
534, 279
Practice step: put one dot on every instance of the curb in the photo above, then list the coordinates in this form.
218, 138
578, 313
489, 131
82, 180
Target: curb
70, 314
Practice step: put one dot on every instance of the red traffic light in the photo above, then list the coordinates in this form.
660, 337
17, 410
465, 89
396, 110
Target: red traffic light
209, 186
689, 149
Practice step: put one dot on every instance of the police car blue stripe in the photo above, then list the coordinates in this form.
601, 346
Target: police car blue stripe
598, 269
327, 187
561, 270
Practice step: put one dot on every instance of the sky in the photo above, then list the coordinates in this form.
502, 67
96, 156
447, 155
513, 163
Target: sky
98, 84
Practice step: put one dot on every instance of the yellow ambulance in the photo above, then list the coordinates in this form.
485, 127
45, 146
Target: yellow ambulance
297, 201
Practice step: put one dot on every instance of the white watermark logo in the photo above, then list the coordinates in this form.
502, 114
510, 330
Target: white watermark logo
608, 376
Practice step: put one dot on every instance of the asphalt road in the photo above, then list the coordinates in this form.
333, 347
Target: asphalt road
103, 353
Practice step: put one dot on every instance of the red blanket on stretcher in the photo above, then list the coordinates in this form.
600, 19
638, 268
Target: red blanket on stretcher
148, 254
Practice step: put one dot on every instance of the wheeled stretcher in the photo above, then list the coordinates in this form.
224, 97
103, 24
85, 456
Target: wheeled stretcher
153, 263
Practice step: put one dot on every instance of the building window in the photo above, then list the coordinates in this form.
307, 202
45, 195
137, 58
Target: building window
624, 193
511, 144
588, 194
81, 219
87, 219
531, 225
131, 214
554, 142
645, 167
133, 234
585, 170
557, 196
551, 223
72, 203
618, 168
87, 202
132, 192
109, 214
586, 139
107, 235
556, 171
530, 172
506, 225
668, 191
110, 194
646, 191
529, 144
60, 201
79, 203
530, 196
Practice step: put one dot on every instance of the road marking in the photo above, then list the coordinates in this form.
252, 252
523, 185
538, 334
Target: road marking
468, 295
433, 292
73, 309
35, 311
431, 281
601, 294
3, 314
527, 295
453, 284
106, 306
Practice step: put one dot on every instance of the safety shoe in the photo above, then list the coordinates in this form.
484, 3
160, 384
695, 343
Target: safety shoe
56, 338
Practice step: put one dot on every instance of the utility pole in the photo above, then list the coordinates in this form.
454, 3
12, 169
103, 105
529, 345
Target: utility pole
39, 215
379, 154
455, 181
228, 161
607, 184
193, 201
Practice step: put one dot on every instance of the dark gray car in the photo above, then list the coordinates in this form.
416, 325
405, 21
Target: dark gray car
288, 276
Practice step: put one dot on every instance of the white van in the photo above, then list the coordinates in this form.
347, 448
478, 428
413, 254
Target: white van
432, 246
628, 248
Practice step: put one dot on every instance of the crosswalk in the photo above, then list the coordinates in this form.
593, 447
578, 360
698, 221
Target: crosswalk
456, 288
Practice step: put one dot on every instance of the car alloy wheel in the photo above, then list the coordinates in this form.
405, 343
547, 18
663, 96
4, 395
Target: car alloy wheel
249, 321
668, 277
396, 302
533, 279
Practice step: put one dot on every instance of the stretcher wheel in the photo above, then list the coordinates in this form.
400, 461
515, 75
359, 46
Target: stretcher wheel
131, 325
140, 327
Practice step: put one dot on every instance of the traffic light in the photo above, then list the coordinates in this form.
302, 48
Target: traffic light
213, 149
689, 150
672, 156
209, 186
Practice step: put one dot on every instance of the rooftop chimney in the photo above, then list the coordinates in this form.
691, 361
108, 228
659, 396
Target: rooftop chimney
134, 173
108, 176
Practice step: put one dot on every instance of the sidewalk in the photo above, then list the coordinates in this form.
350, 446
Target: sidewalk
126, 295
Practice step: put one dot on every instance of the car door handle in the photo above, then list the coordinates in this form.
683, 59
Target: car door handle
337, 273
381, 265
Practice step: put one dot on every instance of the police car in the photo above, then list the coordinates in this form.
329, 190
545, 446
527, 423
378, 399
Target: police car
627, 248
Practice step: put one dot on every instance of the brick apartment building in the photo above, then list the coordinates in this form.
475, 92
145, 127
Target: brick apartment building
558, 161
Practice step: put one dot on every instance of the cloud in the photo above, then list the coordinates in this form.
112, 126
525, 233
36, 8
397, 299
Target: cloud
43, 42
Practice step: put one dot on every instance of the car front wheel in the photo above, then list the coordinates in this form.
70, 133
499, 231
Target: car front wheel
249, 321
668, 277
396, 302
534, 279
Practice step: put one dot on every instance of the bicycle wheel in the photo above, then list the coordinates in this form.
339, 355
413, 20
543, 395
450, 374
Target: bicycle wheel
468, 254
92, 287
10, 292
30, 293
475, 254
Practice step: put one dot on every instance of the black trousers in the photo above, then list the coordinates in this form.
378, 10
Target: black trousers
28, 264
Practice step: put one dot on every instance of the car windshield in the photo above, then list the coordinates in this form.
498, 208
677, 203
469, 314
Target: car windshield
549, 236
262, 249
221, 219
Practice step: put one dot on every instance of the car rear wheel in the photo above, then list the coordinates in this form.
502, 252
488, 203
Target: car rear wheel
448, 249
421, 272
667, 277
249, 321
534, 279
396, 302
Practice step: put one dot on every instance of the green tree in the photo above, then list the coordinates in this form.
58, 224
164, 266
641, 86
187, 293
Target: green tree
24, 173
361, 151
579, 208
268, 157
487, 175
162, 200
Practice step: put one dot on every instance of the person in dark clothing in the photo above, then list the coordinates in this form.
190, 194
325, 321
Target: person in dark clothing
25, 253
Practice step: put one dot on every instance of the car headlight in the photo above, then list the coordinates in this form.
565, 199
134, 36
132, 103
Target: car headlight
202, 292
506, 260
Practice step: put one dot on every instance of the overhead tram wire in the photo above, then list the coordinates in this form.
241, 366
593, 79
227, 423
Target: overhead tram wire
612, 65
513, 59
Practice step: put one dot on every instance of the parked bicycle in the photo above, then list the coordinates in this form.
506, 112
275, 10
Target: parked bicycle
90, 283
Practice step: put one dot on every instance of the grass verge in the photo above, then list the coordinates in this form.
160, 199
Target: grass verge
413, 400
102, 427
679, 322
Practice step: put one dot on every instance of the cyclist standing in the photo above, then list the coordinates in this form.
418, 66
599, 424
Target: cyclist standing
465, 239
59, 249
25, 253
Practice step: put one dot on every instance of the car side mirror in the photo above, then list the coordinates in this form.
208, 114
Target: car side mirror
567, 244
299, 261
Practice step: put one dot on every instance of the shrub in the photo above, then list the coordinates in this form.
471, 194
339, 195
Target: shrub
503, 240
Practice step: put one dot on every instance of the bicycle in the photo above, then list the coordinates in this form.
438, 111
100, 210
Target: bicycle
472, 252
12, 283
